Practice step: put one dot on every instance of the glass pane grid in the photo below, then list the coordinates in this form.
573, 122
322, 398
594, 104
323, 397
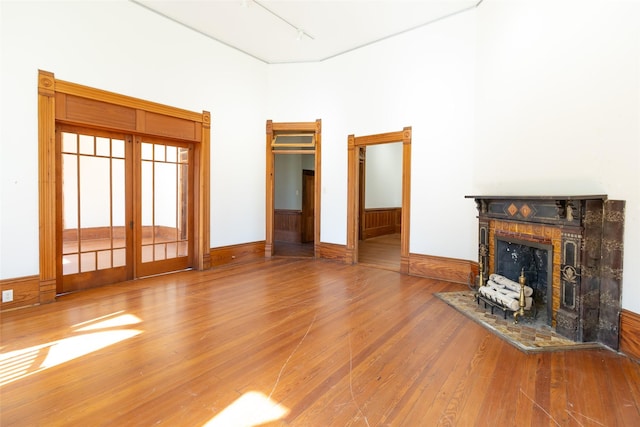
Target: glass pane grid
164, 202
94, 236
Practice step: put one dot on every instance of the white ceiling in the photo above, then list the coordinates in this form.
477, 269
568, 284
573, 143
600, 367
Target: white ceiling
286, 31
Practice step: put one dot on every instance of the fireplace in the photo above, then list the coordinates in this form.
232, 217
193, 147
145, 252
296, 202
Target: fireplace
570, 250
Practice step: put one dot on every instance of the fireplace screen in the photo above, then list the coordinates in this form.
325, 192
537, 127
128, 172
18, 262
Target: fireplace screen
514, 256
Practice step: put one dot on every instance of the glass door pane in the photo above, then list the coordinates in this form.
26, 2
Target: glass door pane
165, 206
94, 233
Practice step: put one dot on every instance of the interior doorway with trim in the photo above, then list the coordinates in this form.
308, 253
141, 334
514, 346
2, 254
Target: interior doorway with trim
293, 189
356, 212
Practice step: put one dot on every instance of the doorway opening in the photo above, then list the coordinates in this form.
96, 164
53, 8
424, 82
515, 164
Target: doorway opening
380, 205
374, 234
293, 189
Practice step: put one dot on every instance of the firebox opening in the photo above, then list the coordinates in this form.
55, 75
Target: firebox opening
512, 256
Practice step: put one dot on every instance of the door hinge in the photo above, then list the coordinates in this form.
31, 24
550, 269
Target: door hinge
131, 225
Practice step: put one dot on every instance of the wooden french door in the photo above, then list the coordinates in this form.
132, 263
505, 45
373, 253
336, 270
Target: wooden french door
164, 206
126, 207
94, 235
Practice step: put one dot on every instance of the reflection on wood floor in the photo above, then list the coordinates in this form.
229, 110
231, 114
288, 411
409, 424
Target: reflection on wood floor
380, 252
293, 249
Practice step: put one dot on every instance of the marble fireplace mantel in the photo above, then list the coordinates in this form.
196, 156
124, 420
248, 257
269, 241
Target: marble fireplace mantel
586, 234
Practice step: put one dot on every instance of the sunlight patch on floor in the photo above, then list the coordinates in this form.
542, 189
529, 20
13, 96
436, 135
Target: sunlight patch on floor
22, 363
251, 409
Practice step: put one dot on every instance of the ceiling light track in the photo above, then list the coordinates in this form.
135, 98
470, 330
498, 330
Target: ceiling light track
209, 36
299, 31
441, 18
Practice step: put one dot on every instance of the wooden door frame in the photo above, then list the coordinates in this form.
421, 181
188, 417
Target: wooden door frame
353, 189
305, 173
273, 128
362, 188
71, 103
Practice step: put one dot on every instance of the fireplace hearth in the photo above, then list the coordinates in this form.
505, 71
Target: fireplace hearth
570, 249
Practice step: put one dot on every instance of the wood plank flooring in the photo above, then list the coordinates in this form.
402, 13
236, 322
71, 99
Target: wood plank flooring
381, 252
291, 342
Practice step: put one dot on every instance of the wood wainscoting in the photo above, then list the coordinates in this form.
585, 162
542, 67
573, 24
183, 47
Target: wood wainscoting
26, 292
381, 221
630, 334
287, 225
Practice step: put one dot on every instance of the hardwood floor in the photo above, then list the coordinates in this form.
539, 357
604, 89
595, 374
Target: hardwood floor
290, 249
381, 252
292, 342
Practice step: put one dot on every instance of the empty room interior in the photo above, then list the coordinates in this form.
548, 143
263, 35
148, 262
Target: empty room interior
314, 213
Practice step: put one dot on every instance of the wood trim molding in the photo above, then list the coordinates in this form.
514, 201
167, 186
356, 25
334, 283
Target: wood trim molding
353, 158
630, 334
87, 92
236, 254
47, 187
442, 268
203, 201
353, 223
428, 266
294, 126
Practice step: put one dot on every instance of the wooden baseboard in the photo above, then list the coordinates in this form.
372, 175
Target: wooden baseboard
433, 267
630, 334
235, 254
331, 251
26, 292
441, 268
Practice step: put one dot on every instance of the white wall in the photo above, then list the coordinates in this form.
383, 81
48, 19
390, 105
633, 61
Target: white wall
383, 176
423, 79
554, 84
288, 179
558, 106
122, 47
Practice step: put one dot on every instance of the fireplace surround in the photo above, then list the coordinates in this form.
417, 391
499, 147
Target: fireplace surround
581, 241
